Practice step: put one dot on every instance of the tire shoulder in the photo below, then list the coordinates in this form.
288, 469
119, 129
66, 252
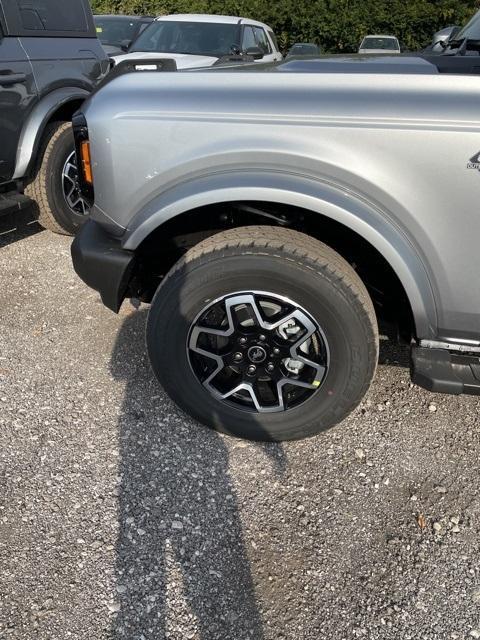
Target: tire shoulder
37, 189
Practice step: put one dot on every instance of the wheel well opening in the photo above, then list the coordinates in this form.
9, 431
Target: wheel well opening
65, 112
62, 114
164, 246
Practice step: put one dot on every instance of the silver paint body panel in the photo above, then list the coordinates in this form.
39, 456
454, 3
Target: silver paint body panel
384, 154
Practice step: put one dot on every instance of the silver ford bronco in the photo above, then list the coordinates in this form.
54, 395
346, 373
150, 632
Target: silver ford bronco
275, 218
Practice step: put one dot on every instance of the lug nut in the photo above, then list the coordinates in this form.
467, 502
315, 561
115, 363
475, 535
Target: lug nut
270, 366
276, 351
238, 357
242, 340
252, 370
262, 338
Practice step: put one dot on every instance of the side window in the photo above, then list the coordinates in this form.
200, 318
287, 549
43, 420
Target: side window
52, 15
248, 39
273, 38
262, 40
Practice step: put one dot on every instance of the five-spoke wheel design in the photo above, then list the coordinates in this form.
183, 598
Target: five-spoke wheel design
258, 351
71, 187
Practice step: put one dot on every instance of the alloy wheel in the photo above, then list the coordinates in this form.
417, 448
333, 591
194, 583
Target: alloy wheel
71, 186
258, 351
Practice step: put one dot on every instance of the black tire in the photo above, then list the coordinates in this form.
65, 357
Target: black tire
46, 189
291, 265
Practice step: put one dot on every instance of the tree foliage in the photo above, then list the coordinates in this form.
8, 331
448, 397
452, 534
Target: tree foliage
337, 25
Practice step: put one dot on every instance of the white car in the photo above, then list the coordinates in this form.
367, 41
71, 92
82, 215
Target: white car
380, 44
199, 40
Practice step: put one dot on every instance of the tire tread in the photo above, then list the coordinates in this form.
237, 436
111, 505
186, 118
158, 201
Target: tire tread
37, 189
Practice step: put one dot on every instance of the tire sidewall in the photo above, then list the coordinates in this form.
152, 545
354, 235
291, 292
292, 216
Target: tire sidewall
190, 290
60, 150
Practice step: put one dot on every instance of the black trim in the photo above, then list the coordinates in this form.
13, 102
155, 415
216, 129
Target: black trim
80, 133
459, 65
102, 264
442, 371
130, 66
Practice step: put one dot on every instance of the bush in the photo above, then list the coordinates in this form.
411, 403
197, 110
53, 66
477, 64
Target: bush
337, 25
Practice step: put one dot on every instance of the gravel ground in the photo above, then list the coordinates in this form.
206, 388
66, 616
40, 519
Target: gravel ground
121, 518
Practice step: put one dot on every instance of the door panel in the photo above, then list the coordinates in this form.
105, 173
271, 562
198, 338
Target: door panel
59, 62
18, 96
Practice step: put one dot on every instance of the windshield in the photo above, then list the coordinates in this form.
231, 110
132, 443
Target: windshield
196, 38
471, 30
388, 44
115, 31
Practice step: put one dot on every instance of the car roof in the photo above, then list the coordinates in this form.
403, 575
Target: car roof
381, 35
205, 17
122, 16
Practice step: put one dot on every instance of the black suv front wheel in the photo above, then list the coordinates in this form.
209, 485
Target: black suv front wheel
55, 186
263, 333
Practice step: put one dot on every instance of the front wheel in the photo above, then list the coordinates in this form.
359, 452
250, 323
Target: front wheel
55, 187
263, 333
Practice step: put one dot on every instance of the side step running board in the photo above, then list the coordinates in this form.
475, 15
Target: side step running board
12, 202
442, 371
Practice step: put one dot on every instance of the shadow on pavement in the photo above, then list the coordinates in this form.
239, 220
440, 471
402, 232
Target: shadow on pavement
17, 226
180, 552
394, 354
180, 541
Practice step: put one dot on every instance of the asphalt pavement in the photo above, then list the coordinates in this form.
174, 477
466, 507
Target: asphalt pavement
121, 518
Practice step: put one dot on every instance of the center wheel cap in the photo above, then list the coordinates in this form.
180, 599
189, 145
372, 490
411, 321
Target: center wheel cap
257, 354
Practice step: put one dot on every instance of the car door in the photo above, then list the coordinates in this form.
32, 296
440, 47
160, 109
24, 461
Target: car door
18, 96
60, 41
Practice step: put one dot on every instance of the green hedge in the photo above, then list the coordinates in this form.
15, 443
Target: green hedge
337, 25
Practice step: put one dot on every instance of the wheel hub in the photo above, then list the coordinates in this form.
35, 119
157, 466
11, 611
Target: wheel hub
257, 354
258, 351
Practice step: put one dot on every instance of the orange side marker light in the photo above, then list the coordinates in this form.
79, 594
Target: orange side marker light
86, 161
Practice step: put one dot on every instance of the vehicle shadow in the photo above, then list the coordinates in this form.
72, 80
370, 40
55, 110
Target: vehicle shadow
393, 354
180, 545
17, 226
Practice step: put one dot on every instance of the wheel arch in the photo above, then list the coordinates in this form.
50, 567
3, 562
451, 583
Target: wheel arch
59, 104
375, 226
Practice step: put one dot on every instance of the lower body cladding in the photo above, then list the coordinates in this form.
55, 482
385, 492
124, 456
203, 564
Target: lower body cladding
262, 332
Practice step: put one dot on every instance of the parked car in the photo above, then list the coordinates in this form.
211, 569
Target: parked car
304, 49
202, 40
50, 61
380, 44
440, 39
465, 41
117, 32
271, 242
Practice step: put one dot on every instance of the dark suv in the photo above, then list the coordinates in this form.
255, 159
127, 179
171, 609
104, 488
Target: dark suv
50, 61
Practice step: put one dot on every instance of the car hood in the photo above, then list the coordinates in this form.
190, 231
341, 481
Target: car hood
112, 49
183, 60
354, 63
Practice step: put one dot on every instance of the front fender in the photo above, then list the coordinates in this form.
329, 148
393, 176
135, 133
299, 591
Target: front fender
35, 124
350, 209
